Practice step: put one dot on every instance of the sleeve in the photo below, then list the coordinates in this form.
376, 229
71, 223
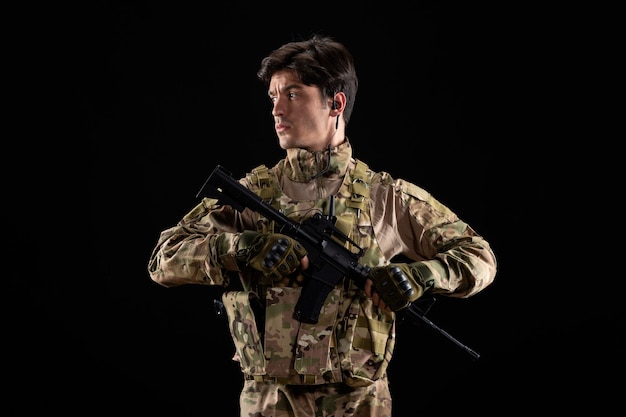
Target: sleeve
187, 253
409, 221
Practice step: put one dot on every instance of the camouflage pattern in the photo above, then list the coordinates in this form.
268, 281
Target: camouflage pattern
354, 348
331, 400
346, 354
351, 342
244, 331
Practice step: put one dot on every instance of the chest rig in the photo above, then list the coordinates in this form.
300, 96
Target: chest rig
350, 342
350, 202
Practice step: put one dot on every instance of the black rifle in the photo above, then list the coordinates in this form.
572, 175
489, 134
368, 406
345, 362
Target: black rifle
329, 258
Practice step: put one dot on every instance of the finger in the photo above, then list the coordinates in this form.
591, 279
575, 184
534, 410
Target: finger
304, 262
379, 302
376, 299
368, 287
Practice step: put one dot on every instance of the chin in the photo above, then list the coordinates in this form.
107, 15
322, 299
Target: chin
285, 143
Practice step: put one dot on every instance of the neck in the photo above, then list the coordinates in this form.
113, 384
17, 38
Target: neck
302, 164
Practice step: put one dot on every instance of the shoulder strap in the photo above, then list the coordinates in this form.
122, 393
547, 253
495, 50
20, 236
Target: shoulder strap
359, 187
264, 185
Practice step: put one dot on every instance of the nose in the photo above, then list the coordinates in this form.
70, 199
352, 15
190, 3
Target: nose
277, 108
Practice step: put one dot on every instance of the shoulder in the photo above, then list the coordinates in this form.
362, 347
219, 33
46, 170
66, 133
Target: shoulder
264, 181
385, 186
383, 181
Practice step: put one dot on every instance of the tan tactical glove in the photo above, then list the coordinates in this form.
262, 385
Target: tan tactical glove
274, 254
399, 284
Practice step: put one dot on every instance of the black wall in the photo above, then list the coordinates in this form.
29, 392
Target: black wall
450, 99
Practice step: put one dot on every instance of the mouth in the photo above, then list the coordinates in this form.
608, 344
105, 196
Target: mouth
279, 127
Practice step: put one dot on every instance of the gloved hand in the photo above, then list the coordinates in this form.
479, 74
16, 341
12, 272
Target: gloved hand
398, 284
274, 254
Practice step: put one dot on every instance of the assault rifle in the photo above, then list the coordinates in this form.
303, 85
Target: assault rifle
329, 258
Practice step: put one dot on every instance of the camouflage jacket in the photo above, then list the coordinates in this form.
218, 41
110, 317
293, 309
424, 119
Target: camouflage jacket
353, 341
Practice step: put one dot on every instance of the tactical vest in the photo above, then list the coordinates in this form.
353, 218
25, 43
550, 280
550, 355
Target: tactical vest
350, 342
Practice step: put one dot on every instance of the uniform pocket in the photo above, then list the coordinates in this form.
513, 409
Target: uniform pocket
299, 351
244, 331
313, 347
281, 330
369, 341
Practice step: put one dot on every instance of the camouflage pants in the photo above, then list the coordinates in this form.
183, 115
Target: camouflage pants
267, 399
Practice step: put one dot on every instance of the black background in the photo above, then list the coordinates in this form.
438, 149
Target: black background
454, 100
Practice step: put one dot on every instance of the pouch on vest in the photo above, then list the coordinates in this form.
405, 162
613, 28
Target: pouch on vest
244, 331
299, 351
370, 340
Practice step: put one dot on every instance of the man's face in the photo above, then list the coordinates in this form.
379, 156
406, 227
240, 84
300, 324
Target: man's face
302, 119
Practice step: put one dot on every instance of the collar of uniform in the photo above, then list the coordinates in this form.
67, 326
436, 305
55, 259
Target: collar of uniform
301, 165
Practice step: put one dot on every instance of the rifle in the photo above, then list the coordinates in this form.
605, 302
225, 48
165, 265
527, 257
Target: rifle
329, 258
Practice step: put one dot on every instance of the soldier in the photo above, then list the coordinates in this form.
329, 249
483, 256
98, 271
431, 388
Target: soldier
338, 365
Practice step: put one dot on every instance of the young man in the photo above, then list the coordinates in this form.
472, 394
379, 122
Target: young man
336, 364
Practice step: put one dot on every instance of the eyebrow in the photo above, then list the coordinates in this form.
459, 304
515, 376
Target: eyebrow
292, 86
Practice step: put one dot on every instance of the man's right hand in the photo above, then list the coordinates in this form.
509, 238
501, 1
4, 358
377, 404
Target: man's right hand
274, 254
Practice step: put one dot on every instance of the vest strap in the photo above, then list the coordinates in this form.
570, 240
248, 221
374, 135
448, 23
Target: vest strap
359, 187
261, 178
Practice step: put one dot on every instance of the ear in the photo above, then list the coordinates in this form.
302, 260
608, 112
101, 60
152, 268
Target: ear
339, 102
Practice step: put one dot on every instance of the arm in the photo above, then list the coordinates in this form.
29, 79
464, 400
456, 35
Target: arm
186, 253
452, 258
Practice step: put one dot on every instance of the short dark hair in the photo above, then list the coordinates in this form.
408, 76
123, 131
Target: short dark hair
319, 61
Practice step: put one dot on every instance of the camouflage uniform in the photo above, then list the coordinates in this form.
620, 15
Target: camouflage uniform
338, 365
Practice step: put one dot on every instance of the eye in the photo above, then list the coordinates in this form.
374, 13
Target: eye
290, 95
